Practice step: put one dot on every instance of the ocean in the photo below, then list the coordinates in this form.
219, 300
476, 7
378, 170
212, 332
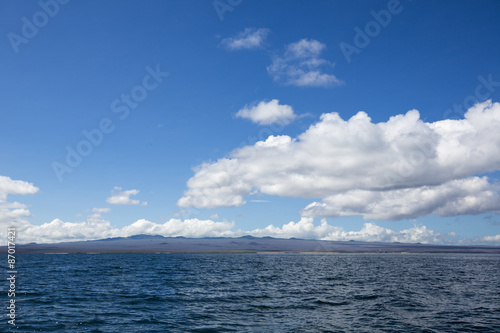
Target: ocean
253, 292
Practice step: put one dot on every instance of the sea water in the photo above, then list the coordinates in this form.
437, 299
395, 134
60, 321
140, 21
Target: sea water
255, 293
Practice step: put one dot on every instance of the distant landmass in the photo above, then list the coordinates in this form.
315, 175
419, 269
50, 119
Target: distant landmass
161, 244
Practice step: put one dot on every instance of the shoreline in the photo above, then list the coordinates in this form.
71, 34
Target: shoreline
246, 244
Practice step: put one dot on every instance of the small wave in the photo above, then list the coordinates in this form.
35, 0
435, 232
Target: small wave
366, 297
332, 303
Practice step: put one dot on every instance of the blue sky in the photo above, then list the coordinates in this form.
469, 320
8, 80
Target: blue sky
194, 67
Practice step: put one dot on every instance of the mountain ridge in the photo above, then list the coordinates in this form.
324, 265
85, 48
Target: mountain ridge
142, 243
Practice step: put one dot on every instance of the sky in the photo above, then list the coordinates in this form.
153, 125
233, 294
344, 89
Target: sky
338, 120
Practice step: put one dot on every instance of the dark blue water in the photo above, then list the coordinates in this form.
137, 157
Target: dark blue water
256, 293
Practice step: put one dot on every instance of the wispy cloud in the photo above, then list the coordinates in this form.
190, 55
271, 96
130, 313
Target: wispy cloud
301, 65
181, 212
250, 38
402, 168
266, 113
120, 197
101, 210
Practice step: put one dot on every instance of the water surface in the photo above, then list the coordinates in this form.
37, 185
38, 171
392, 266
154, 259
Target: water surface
257, 293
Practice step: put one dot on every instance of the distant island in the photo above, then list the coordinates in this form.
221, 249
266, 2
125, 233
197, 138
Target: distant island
244, 244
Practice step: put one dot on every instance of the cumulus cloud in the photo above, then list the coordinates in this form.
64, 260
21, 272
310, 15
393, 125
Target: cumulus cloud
266, 113
10, 186
120, 197
250, 38
472, 195
357, 163
96, 227
13, 213
59, 231
491, 239
214, 185
301, 65
305, 228
176, 227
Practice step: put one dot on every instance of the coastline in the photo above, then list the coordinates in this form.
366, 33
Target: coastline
245, 244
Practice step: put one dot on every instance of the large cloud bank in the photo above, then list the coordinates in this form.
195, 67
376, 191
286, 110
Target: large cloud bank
402, 168
95, 226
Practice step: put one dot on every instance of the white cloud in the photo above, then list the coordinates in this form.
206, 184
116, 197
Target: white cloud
13, 213
215, 186
120, 197
59, 231
98, 228
95, 227
96, 216
491, 239
301, 65
176, 227
367, 162
305, 228
472, 195
266, 113
9, 186
250, 38
214, 217
101, 210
